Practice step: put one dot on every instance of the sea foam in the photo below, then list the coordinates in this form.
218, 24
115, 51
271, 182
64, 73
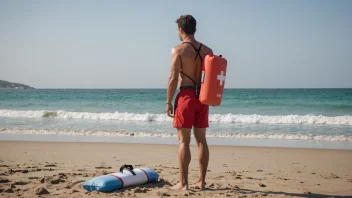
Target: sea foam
148, 117
69, 132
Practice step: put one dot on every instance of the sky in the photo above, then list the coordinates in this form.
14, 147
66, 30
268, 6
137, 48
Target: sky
127, 44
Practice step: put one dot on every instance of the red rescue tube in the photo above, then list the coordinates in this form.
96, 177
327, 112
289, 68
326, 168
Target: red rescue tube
213, 80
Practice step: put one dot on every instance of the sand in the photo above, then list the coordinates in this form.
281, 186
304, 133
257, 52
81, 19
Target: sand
59, 170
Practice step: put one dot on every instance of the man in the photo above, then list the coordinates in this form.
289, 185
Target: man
188, 112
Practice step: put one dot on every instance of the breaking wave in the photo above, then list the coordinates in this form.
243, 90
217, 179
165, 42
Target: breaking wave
330, 138
220, 118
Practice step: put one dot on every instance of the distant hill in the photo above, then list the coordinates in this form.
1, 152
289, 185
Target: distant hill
5, 84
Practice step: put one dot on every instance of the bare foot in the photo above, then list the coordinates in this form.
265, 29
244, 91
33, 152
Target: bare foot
179, 186
198, 185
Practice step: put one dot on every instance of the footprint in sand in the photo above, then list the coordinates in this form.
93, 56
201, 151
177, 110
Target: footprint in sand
8, 190
20, 183
219, 177
57, 181
72, 184
141, 190
102, 167
4, 180
334, 176
74, 191
33, 177
234, 186
233, 173
50, 165
270, 174
163, 194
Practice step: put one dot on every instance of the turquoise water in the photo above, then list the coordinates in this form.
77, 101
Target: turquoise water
323, 115
328, 102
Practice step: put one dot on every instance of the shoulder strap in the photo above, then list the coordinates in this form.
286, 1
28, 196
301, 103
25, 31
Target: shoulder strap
195, 49
194, 82
198, 54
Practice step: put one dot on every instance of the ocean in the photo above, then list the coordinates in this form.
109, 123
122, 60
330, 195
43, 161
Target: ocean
300, 118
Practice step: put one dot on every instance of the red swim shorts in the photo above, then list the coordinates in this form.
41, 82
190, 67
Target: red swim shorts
189, 111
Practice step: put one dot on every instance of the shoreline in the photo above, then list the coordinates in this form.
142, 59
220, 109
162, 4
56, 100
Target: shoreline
175, 144
220, 141
234, 171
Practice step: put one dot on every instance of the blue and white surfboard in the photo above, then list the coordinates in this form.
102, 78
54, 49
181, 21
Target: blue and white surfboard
121, 179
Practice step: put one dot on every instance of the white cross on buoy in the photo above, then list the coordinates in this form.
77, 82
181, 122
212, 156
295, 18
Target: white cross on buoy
221, 77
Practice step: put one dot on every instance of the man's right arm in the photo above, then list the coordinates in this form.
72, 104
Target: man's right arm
173, 78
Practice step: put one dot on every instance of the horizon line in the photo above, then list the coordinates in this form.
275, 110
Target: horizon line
224, 88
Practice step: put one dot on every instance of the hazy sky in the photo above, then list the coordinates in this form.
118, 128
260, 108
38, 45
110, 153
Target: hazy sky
127, 44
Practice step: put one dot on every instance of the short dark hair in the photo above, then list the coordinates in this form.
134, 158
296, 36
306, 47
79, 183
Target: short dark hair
187, 23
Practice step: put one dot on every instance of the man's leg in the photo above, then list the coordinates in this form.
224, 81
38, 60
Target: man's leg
184, 136
203, 155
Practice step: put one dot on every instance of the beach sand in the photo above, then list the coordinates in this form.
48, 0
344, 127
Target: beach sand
61, 168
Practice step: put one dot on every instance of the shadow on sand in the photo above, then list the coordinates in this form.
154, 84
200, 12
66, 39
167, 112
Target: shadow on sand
162, 183
144, 188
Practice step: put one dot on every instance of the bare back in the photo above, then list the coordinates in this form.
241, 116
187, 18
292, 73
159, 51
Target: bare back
189, 65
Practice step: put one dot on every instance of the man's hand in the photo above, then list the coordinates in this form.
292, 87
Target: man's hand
169, 110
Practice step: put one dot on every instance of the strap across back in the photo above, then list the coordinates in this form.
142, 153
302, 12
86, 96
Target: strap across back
198, 54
